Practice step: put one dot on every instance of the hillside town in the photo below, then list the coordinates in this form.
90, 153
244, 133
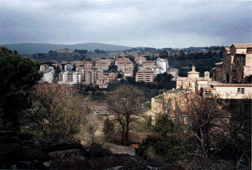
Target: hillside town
102, 71
201, 121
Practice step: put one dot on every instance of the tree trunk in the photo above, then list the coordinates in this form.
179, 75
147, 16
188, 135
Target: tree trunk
123, 135
127, 132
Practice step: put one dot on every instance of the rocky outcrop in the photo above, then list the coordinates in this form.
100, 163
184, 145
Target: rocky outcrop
24, 151
118, 149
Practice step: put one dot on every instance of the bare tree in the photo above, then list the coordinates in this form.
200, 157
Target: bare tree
57, 110
206, 122
238, 143
125, 104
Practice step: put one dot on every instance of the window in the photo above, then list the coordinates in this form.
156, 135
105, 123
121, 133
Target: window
243, 62
249, 50
208, 93
240, 91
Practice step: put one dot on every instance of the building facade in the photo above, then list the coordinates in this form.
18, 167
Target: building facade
144, 76
236, 66
162, 62
70, 77
124, 64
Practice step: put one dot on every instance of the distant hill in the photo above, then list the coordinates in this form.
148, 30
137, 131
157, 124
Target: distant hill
32, 48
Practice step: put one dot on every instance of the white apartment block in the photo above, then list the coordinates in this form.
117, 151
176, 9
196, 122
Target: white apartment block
45, 68
162, 62
48, 73
156, 70
69, 77
47, 77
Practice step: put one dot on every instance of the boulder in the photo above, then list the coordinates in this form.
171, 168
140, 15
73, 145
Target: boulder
118, 149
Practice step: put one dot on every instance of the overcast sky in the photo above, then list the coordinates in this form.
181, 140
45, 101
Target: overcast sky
131, 23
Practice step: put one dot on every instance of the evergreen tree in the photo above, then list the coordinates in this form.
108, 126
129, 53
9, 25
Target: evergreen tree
17, 76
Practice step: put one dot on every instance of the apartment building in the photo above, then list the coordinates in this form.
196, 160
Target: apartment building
48, 73
70, 77
144, 76
124, 64
105, 79
47, 77
68, 67
88, 65
139, 60
156, 70
162, 62
128, 73
45, 67
77, 63
149, 63
93, 76
102, 64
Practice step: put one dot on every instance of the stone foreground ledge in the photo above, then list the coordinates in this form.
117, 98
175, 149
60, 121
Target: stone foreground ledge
118, 149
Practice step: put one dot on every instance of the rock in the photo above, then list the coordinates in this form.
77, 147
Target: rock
25, 136
71, 162
59, 146
102, 163
35, 154
23, 151
64, 154
118, 149
151, 153
12, 147
96, 152
7, 139
154, 163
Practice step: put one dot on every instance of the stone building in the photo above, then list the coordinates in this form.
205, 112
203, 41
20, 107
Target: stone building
217, 72
236, 66
193, 82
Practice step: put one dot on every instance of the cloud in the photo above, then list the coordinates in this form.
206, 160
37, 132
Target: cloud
136, 23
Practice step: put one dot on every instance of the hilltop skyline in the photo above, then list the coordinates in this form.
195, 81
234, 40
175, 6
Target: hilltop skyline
157, 24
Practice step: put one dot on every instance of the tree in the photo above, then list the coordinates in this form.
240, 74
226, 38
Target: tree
108, 130
135, 70
237, 145
17, 76
113, 67
163, 124
57, 111
125, 103
74, 68
119, 75
206, 123
163, 111
57, 71
164, 78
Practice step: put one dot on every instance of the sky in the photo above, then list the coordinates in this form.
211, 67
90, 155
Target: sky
133, 23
